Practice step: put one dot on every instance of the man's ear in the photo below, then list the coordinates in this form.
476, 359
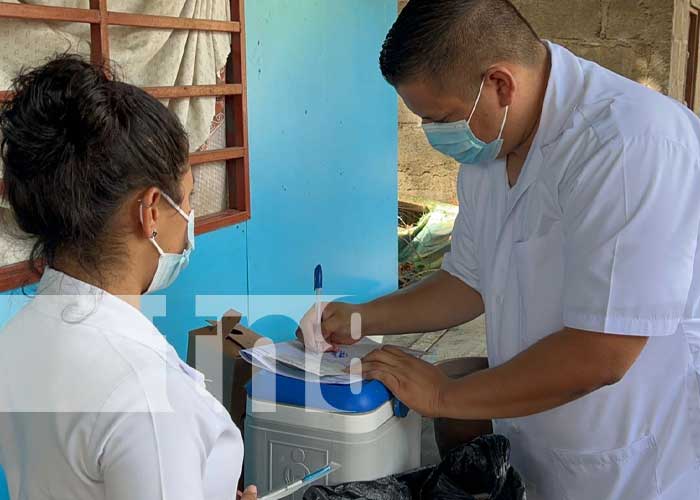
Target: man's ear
148, 213
505, 83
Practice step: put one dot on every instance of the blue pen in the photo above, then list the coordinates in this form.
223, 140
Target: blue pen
297, 485
318, 286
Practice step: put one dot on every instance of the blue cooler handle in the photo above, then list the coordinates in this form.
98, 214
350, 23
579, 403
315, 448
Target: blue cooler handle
400, 409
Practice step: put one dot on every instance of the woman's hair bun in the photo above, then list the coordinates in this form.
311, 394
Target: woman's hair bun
75, 144
56, 111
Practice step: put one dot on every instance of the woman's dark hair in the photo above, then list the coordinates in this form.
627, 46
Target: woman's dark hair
75, 144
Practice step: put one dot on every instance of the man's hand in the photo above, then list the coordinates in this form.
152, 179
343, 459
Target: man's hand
250, 493
437, 302
417, 384
338, 327
560, 368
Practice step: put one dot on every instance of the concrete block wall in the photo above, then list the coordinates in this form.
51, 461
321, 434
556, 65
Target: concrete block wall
632, 37
423, 172
645, 40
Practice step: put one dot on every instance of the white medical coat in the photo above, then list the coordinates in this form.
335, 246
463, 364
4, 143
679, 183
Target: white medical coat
600, 233
95, 404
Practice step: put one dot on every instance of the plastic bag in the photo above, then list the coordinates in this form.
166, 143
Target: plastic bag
422, 246
479, 470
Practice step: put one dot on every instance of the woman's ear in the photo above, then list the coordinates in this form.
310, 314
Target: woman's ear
148, 214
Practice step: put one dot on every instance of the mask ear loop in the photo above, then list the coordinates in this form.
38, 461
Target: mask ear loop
188, 217
175, 206
152, 239
476, 103
503, 125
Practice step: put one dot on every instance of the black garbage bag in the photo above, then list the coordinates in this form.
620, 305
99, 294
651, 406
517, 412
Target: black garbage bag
479, 470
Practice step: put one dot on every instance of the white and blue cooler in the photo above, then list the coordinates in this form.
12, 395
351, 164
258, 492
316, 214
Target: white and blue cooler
293, 427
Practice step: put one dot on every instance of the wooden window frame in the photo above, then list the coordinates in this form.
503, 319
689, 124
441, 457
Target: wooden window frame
233, 90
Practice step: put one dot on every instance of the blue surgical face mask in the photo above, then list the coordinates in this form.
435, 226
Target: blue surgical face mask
458, 140
171, 264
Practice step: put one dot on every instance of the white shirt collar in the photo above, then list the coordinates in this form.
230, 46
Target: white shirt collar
565, 90
73, 301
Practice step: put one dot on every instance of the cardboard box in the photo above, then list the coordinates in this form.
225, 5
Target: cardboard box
216, 348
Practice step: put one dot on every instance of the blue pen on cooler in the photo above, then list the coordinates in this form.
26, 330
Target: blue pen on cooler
318, 288
297, 485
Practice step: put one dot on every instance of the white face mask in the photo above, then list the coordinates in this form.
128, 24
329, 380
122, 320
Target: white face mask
171, 264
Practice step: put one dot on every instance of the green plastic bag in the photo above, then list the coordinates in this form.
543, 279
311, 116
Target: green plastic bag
423, 245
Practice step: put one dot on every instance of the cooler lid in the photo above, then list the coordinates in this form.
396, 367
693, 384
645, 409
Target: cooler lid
267, 386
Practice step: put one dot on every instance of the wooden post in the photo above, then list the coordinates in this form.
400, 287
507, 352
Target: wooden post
237, 115
99, 35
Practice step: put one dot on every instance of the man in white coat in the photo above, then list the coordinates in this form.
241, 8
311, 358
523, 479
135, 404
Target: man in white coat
577, 237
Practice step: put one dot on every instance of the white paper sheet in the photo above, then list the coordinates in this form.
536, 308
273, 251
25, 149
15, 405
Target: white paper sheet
292, 360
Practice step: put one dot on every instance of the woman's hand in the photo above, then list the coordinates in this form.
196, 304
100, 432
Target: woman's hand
250, 493
341, 324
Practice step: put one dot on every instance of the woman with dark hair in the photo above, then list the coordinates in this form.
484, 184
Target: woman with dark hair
94, 403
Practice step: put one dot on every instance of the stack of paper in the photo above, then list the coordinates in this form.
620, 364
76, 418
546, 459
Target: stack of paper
292, 360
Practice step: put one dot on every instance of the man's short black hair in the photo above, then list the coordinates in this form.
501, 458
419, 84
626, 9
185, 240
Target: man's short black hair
444, 40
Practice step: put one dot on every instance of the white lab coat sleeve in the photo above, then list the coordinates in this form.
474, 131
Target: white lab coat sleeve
146, 452
461, 261
630, 228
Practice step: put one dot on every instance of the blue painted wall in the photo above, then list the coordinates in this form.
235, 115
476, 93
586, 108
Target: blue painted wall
323, 140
